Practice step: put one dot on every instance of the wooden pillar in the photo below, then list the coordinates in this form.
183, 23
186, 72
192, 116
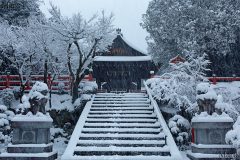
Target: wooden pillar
139, 84
99, 84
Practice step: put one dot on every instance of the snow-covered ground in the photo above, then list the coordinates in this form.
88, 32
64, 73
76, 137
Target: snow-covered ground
229, 91
61, 102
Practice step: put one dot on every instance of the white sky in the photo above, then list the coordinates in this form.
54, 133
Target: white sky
128, 14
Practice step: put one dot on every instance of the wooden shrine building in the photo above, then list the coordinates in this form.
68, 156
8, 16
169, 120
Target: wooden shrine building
122, 67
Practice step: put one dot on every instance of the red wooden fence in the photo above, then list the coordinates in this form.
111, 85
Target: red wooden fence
11, 81
213, 80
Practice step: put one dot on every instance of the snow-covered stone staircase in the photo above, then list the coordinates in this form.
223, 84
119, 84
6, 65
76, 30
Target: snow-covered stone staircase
119, 126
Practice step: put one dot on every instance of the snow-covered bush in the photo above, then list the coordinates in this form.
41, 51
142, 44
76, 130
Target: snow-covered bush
177, 88
230, 95
61, 86
180, 129
7, 97
226, 107
88, 87
233, 136
80, 102
5, 117
57, 132
24, 106
17, 93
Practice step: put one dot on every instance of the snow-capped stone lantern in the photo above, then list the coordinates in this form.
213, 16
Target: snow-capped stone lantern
206, 98
31, 132
209, 127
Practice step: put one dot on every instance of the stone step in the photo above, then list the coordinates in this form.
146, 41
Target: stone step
121, 96
202, 156
121, 130
120, 105
29, 148
112, 136
123, 142
120, 99
84, 151
121, 102
124, 157
120, 120
120, 108
120, 112
29, 156
124, 115
157, 124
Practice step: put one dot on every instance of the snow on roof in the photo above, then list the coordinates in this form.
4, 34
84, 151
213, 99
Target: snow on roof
133, 46
122, 58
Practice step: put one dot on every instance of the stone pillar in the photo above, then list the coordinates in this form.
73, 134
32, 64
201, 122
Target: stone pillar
209, 138
31, 139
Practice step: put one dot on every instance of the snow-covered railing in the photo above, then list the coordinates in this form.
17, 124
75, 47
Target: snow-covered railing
69, 152
175, 153
213, 79
11, 81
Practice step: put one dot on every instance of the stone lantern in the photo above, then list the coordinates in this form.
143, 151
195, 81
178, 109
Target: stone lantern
209, 128
31, 132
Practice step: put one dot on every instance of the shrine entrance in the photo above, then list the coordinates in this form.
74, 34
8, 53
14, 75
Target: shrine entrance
122, 67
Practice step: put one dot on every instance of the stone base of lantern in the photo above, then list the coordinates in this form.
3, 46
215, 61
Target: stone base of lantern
31, 139
209, 138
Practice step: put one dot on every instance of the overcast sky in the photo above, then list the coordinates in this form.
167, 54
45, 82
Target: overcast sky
128, 14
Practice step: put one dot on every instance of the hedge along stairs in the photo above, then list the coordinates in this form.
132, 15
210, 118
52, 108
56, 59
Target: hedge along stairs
121, 126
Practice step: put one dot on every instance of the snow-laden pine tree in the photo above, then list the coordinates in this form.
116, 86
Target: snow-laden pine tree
194, 27
82, 38
18, 12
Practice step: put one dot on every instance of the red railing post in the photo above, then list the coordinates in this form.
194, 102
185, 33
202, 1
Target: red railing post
214, 80
90, 76
193, 136
28, 84
8, 80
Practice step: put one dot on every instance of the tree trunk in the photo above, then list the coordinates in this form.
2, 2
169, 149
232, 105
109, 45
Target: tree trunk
75, 91
22, 87
45, 76
50, 98
75, 87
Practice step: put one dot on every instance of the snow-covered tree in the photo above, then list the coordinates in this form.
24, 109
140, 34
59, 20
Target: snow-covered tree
83, 38
193, 27
18, 50
177, 88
